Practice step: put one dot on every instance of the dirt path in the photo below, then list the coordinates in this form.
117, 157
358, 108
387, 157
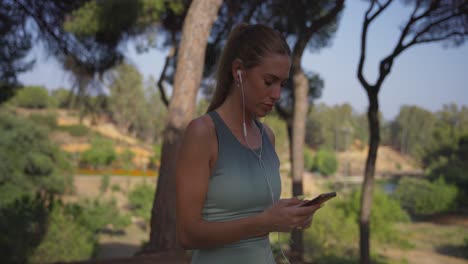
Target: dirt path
422, 257
436, 241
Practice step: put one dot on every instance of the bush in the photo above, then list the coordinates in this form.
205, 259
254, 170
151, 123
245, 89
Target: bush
141, 199
48, 120
100, 154
59, 97
465, 247
385, 212
95, 215
335, 228
65, 240
105, 181
22, 225
422, 197
38, 230
32, 97
30, 162
333, 231
308, 159
325, 162
115, 188
126, 159
449, 161
75, 130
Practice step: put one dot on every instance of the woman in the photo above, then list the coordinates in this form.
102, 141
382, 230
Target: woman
227, 173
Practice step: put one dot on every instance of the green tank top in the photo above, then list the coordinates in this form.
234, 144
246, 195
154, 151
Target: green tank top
237, 188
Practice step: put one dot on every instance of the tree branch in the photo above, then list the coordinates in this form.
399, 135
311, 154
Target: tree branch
325, 19
163, 74
367, 21
428, 28
43, 25
451, 34
381, 8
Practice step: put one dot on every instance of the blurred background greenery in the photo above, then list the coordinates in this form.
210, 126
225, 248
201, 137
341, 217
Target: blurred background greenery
79, 165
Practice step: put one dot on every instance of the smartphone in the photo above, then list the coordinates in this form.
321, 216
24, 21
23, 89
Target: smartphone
320, 199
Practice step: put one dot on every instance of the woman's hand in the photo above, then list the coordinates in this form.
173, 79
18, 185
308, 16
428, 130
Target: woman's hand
287, 214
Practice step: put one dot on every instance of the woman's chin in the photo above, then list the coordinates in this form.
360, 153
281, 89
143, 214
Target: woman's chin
262, 113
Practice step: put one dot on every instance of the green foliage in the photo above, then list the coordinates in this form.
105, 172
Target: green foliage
96, 215
30, 161
115, 188
449, 161
48, 120
398, 166
335, 230
22, 225
105, 181
278, 126
117, 18
32, 97
156, 110
412, 129
156, 158
325, 162
202, 106
421, 197
465, 247
40, 230
451, 124
308, 159
100, 154
141, 199
76, 130
126, 159
331, 127
61, 97
385, 212
135, 110
65, 240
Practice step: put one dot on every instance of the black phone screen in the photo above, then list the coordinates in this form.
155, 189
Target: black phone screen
320, 199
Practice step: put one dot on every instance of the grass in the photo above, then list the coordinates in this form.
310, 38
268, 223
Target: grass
446, 240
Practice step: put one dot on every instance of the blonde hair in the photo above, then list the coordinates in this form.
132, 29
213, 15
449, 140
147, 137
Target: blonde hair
249, 44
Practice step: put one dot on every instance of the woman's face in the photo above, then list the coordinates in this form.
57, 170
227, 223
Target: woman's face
263, 83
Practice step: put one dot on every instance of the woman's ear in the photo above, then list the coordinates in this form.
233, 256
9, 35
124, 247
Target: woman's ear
236, 71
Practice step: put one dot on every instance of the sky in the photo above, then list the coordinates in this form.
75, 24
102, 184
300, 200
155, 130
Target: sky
427, 75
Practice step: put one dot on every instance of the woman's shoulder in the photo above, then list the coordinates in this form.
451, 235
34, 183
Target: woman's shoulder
200, 128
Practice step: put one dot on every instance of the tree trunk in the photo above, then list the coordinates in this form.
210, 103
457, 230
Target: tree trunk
197, 26
301, 86
368, 183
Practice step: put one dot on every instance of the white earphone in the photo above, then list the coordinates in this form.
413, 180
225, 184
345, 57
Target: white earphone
239, 73
258, 155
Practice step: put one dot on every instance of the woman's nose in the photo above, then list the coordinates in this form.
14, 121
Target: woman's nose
276, 93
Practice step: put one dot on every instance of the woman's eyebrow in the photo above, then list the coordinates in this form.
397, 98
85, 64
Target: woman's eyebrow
275, 77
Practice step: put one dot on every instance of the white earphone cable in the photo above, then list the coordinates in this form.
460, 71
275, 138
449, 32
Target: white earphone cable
259, 156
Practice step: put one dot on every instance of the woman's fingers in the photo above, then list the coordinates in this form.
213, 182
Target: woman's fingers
307, 210
291, 202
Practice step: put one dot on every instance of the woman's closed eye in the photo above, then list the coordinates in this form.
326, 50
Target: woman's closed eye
268, 82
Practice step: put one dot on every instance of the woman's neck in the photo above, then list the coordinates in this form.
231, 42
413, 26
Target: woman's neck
231, 109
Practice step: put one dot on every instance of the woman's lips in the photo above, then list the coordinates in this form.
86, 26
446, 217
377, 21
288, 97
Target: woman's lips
268, 106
